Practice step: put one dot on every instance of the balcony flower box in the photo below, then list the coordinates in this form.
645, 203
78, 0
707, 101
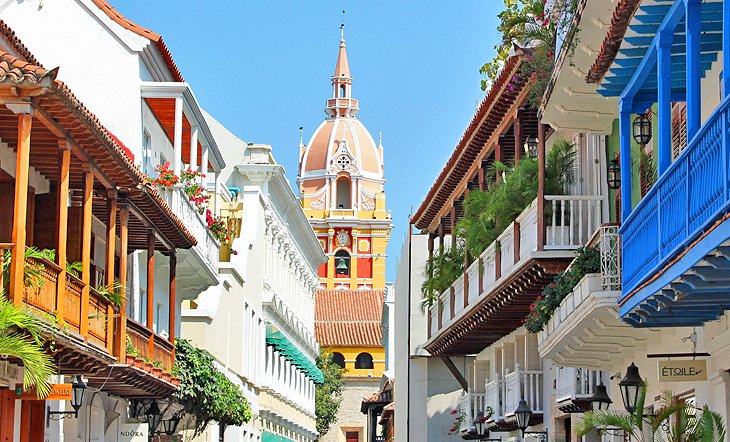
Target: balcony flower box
148, 367
130, 360
157, 372
139, 363
175, 381
166, 376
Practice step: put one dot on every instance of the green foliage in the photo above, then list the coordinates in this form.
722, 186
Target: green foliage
587, 260
20, 337
442, 269
328, 395
528, 23
114, 293
74, 268
205, 393
33, 273
487, 214
682, 421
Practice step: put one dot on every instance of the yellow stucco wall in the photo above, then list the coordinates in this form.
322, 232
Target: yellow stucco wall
350, 354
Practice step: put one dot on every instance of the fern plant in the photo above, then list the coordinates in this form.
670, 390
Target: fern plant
20, 337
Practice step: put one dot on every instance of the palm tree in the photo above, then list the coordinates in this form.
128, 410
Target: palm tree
677, 417
20, 337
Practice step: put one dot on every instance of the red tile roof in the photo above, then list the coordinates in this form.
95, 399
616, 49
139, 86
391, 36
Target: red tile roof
620, 20
19, 71
144, 32
349, 318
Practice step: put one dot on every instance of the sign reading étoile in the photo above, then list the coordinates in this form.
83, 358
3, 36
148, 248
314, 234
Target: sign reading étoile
682, 371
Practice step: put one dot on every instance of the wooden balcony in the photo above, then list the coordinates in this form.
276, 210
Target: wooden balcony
44, 300
150, 345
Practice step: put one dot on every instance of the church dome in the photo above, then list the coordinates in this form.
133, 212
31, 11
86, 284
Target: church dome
341, 143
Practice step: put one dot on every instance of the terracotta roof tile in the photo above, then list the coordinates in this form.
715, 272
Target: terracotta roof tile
620, 20
349, 318
17, 71
15, 42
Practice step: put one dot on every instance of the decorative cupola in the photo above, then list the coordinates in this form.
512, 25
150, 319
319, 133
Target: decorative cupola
342, 104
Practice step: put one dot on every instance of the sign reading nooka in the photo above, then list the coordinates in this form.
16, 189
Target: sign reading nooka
682, 371
135, 432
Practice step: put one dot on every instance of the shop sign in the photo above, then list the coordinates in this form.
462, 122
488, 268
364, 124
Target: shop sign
8, 373
682, 371
134, 432
59, 392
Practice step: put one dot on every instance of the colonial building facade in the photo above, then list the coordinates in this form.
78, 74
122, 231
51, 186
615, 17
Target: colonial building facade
341, 185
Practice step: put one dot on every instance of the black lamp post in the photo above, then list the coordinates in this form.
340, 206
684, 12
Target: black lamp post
523, 414
630, 387
154, 416
169, 426
78, 388
614, 174
600, 399
479, 426
642, 129
531, 146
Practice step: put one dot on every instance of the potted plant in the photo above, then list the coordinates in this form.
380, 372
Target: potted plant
157, 368
166, 376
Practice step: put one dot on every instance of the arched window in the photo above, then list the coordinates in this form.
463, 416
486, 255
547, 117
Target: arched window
342, 91
364, 360
338, 359
343, 193
342, 263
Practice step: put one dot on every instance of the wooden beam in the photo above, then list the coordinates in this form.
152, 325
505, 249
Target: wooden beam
150, 277
123, 254
517, 129
173, 296
455, 372
540, 186
111, 236
87, 210
20, 207
64, 160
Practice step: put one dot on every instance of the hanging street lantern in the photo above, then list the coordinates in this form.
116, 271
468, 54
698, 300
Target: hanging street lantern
600, 399
523, 414
169, 426
631, 386
614, 174
531, 146
154, 416
642, 129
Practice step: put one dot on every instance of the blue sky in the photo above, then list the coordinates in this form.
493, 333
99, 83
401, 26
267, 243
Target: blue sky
262, 68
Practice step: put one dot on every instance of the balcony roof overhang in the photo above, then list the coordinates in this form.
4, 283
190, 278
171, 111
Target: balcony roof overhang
500, 312
160, 97
590, 333
633, 73
570, 103
129, 382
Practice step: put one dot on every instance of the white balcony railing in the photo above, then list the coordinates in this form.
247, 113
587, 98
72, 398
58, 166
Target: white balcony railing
494, 397
573, 220
208, 247
473, 406
576, 383
523, 384
608, 280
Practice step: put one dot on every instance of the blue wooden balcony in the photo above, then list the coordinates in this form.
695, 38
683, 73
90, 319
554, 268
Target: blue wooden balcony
676, 241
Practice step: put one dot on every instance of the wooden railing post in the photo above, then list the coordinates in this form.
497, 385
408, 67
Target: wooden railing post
64, 160
452, 302
540, 186
86, 245
518, 135
481, 275
150, 278
123, 251
20, 207
173, 294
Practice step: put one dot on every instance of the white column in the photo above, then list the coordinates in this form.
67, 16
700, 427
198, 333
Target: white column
353, 195
177, 143
194, 148
204, 160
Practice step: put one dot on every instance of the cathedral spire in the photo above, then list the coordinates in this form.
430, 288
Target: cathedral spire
342, 104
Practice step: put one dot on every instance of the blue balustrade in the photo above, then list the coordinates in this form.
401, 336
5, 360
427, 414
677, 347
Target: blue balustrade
683, 202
